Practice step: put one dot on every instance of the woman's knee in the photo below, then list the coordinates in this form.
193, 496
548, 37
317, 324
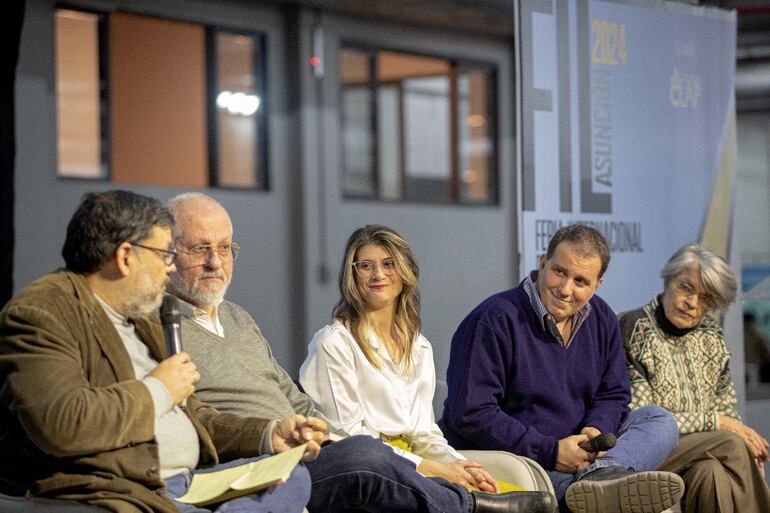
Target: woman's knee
365, 443
730, 439
723, 449
704, 473
733, 448
364, 451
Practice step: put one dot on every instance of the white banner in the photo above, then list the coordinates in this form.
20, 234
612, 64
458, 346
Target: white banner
627, 124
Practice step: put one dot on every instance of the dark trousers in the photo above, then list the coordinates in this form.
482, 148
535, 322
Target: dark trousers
361, 473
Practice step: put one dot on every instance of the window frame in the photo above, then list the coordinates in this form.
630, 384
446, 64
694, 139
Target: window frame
262, 158
457, 66
259, 61
102, 35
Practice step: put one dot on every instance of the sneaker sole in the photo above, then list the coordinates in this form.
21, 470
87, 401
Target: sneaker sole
641, 492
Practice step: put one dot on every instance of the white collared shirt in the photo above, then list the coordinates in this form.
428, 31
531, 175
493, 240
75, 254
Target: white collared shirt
364, 400
209, 324
203, 319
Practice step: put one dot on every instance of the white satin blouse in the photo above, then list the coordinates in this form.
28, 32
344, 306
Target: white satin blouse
364, 400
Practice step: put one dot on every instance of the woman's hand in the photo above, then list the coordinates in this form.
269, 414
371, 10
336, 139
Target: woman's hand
756, 443
484, 481
463, 472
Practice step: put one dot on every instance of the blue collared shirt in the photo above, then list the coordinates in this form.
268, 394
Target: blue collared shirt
547, 322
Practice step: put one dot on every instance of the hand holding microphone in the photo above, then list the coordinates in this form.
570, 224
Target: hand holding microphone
178, 372
179, 375
602, 442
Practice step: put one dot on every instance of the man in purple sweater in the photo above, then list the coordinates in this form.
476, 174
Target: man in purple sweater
538, 369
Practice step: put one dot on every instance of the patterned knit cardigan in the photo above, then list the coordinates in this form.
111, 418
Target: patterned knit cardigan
689, 375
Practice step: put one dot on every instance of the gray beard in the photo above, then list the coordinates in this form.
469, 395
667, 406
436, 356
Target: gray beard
180, 288
145, 302
141, 309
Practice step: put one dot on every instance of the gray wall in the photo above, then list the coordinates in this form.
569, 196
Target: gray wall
466, 252
302, 223
263, 220
298, 228
753, 187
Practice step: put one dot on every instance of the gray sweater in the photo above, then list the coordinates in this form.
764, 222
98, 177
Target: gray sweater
238, 372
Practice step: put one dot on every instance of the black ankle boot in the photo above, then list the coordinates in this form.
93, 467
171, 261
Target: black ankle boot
513, 502
616, 490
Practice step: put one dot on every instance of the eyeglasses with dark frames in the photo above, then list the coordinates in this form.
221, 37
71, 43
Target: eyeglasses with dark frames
167, 255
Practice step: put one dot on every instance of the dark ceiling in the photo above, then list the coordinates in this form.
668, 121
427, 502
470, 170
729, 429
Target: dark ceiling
494, 18
489, 17
752, 73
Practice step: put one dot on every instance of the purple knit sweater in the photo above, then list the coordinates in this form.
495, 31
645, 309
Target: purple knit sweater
514, 387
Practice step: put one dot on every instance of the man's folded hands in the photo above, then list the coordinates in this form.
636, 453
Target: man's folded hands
296, 430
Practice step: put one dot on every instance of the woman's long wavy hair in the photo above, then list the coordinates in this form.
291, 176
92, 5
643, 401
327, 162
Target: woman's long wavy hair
351, 309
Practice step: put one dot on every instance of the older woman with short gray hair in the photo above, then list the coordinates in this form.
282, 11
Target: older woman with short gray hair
678, 359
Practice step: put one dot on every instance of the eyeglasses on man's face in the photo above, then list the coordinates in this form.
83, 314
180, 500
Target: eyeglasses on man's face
201, 253
167, 255
684, 289
365, 268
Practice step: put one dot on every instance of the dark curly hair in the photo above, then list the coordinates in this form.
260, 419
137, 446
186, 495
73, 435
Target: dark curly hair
103, 221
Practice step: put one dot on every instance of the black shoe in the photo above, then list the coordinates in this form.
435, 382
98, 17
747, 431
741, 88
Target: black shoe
513, 502
616, 490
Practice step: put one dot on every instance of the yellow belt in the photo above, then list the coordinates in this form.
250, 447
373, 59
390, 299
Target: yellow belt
404, 442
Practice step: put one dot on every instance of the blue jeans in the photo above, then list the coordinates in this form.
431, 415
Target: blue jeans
645, 439
361, 473
289, 497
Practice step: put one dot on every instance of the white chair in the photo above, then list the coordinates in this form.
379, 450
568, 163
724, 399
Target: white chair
513, 469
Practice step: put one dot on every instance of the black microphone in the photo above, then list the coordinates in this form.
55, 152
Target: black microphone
171, 319
603, 442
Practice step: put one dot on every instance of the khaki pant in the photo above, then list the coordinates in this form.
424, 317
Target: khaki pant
719, 474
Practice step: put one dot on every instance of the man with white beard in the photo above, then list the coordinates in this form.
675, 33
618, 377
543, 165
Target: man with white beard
239, 375
91, 404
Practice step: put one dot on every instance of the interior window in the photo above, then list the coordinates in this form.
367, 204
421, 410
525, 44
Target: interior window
155, 101
416, 127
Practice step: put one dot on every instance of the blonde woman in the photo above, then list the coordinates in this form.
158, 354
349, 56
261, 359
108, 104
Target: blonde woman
371, 371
